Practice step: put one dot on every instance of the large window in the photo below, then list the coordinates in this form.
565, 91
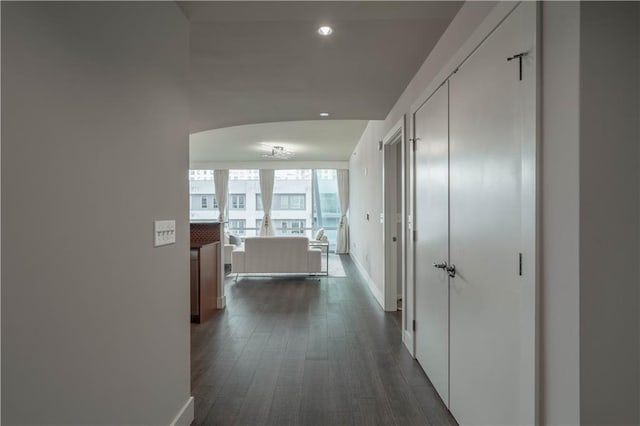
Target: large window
284, 202
203, 203
304, 201
237, 226
326, 205
238, 201
243, 186
287, 226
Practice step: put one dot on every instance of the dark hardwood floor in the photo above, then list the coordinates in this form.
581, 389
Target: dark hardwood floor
314, 351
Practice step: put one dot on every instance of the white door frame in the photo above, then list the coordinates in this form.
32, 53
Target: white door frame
395, 136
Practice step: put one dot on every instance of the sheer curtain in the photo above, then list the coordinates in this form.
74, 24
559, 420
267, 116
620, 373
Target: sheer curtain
221, 183
266, 193
342, 245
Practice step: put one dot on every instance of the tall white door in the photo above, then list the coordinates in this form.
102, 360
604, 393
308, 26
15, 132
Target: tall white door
488, 125
432, 243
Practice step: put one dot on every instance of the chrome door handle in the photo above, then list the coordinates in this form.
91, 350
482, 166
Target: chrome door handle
451, 270
441, 265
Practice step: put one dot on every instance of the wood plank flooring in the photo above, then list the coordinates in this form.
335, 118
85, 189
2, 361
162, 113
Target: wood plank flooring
307, 351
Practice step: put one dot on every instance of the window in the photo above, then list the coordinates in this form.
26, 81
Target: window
290, 226
326, 205
238, 201
329, 202
237, 226
287, 226
285, 202
204, 202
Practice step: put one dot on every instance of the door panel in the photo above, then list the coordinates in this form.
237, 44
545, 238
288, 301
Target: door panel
432, 243
485, 222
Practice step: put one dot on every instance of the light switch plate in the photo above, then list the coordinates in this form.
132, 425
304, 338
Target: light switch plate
164, 232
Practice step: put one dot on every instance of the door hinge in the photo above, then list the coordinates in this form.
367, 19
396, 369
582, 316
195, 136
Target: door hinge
520, 264
415, 235
519, 57
414, 325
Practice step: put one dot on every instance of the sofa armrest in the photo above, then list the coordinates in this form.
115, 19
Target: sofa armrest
314, 260
238, 260
228, 248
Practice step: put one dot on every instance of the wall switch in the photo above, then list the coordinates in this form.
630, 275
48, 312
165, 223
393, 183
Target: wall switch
164, 232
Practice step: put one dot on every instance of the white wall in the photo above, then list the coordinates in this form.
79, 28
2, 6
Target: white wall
95, 326
609, 213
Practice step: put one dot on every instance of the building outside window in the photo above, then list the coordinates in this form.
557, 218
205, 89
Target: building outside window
285, 202
304, 200
326, 205
238, 201
237, 226
329, 202
291, 226
203, 204
287, 226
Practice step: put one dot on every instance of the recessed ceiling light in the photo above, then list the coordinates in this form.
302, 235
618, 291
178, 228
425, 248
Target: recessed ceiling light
325, 30
324, 114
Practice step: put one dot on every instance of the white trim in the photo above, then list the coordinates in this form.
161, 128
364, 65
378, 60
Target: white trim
221, 302
394, 137
407, 339
372, 285
268, 165
186, 414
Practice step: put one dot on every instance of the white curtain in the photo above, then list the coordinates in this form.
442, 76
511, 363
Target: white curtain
266, 193
342, 245
221, 183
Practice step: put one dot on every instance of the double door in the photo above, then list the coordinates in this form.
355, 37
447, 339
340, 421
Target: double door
470, 159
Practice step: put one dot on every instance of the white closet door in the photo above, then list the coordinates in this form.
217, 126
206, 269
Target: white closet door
487, 131
432, 243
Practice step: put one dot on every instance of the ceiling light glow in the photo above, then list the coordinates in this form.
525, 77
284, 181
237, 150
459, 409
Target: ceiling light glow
324, 114
279, 152
325, 30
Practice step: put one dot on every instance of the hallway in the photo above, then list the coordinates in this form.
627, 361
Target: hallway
315, 351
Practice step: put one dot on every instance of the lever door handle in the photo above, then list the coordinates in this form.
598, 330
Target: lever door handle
441, 265
451, 270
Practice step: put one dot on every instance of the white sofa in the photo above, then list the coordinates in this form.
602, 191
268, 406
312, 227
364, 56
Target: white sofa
271, 255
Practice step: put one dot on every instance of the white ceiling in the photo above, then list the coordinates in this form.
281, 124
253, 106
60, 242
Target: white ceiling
264, 62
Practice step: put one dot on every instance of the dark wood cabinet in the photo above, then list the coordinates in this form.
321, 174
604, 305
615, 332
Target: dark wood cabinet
205, 271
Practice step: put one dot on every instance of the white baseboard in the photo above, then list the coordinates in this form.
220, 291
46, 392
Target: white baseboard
221, 302
372, 285
185, 416
407, 339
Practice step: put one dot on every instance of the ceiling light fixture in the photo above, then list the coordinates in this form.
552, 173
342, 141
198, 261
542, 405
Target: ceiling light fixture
325, 30
279, 152
324, 114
